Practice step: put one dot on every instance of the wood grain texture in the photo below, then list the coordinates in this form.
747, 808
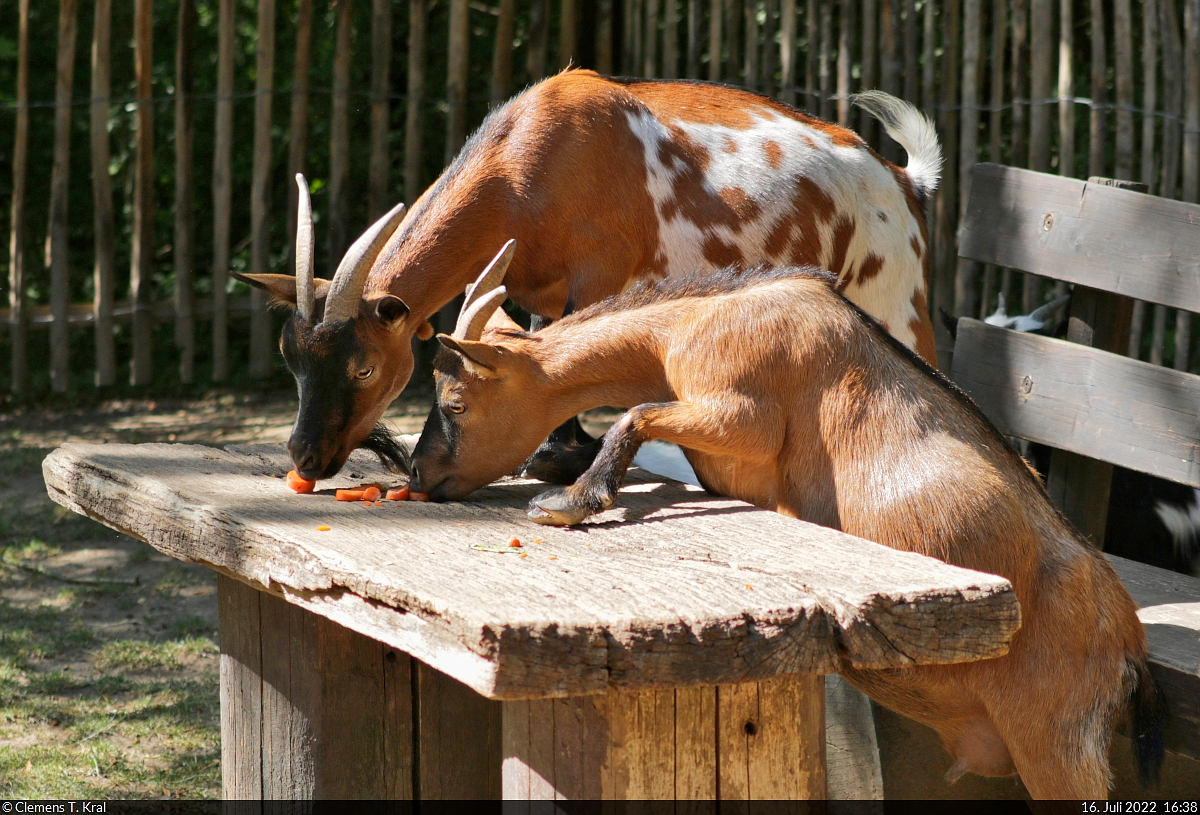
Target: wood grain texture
60, 176
1082, 399
721, 592
458, 739
770, 739
103, 225
1090, 234
1170, 611
222, 188
241, 690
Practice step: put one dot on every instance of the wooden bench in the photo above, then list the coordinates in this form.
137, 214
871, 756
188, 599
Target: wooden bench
674, 648
1095, 407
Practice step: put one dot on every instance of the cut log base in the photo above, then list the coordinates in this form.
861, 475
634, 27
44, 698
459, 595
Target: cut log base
310, 709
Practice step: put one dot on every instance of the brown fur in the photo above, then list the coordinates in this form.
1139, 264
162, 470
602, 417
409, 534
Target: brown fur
830, 420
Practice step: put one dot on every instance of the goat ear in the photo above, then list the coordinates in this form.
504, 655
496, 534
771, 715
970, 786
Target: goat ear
281, 287
391, 311
480, 358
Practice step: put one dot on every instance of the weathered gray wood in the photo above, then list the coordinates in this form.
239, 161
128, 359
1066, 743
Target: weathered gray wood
852, 768
587, 609
222, 188
142, 239
1066, 90
183, 250
59, 260
1082, 399
458, 739
241, 690
1123, 53
381, 64
414, 116
966, 283
770, 739
1085, 233
845, 38
103, 268
1149, 93
309, 709
1097, 126
1170, 611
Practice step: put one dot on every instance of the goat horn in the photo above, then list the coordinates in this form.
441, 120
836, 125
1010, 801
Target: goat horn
472, 320
305, 299
346, 290
490, 277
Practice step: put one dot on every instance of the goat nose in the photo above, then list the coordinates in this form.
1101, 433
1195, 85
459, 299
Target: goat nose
304, 459
414, 480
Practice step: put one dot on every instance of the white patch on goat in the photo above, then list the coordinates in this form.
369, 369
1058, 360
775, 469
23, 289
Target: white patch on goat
664, 458
857, 183
1183, 522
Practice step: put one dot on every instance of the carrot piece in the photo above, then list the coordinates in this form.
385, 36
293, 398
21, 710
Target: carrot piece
515, 543
413, 495
398, 493
322, 528
349, 495
371, 493
299, 483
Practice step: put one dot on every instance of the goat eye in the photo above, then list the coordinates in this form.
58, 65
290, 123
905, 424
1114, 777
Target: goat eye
456, 407
365, 372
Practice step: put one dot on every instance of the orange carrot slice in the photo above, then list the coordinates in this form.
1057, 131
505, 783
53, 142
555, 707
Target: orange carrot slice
398, 493
413, 495
371, 493
300, 484
349, 495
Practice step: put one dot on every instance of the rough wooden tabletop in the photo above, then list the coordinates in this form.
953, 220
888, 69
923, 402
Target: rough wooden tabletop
671, 587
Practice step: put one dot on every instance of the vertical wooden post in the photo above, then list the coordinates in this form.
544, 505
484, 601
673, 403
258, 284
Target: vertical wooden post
1020, 79
1191, 155
1172, 68
966, 291
457, 62
770, 61
501, 84
912, 53
261, 352
825, 86
568, 34
535, 57
414, 115
102, 204
733, 17
381, 67
1123, 53
222, 189
845, 39
1066, 89
889, 64
143, 197
928, 49
16, 240
1096, 130
650, 34
692, 71
604, 37
869, 77
1041, 48
298, 128
946, 203
59, 260
670, 49
715, 19
183, 250
1137, 323
751, 64
996, 126
339, 136
787, 50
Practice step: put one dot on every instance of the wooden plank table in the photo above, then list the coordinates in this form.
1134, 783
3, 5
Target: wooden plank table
675, 646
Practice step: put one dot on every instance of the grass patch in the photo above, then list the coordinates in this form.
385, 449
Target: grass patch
141, 655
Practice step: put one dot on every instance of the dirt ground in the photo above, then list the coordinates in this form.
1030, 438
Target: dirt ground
108, 649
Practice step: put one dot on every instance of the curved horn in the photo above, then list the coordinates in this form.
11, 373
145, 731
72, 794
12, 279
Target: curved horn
346, 290
305, 298
490, 277
473, 318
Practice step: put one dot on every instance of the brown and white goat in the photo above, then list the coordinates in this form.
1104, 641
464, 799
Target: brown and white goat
784, 394
603, 181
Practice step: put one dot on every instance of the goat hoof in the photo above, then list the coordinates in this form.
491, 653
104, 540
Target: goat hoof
555, 508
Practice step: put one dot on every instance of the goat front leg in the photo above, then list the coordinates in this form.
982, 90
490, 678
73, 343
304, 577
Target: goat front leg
729, 426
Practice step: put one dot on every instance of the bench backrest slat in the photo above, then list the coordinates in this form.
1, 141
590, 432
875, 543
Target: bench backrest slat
1141, 416
1121, 241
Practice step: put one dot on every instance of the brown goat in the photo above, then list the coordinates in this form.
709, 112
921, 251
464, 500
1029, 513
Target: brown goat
784, 394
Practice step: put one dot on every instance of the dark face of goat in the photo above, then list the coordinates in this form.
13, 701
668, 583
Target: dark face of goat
345, 380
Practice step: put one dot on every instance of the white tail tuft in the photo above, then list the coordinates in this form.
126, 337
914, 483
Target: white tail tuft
913, 131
